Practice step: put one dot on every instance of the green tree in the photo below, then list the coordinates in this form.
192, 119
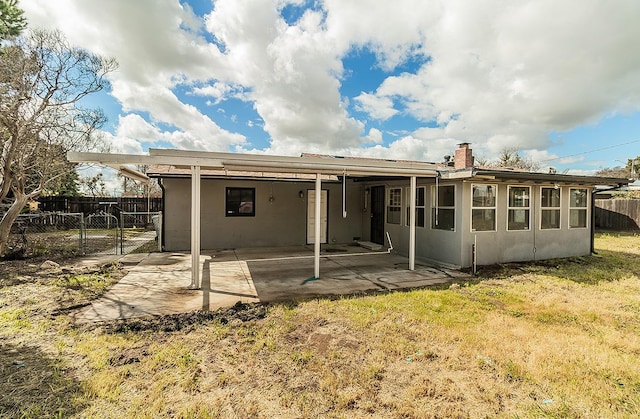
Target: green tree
66, 185
42, 81
12, 21
628, 171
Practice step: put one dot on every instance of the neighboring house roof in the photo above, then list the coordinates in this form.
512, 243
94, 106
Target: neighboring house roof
633, 186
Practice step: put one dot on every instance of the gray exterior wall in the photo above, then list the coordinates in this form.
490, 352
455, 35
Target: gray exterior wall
499, 246
432, 245
282, 222
503, 245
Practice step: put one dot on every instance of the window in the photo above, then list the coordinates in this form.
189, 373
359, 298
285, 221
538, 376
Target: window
420, 204
394, 206
443, 207
578, 208
519, 208
483, 207
241, 202
549, 208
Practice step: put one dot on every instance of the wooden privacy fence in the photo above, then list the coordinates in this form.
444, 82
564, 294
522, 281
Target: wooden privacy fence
91, 205
618, 214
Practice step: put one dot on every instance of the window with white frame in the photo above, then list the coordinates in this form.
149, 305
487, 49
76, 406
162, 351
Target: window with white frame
483, 207
394, 206
549, 208
420, 205
519, 208
443, 207
578, 208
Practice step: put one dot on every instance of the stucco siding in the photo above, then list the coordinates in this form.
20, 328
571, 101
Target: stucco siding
277, 222
282, 221
432, 245
502, 245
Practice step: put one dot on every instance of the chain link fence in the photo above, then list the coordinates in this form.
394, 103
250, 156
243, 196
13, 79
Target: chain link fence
72, 234
140, 231
101, 234
43, 234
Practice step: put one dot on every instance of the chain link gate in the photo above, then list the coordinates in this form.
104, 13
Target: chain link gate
140, 231
46, 233
101, 234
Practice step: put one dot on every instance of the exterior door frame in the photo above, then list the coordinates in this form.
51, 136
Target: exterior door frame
324, 228
377, 197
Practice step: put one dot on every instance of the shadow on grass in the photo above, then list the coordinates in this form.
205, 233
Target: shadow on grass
33, 385
605, 266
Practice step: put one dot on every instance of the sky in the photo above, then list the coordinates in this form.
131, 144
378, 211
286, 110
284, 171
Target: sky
403, 79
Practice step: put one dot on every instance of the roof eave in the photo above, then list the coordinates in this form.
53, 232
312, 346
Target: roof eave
550, 177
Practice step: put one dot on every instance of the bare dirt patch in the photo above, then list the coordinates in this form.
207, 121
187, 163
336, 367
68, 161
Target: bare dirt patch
185, 321
546, 340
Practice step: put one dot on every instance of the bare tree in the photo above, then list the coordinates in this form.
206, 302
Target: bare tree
42, 83
94, 185
132, 187
510, 157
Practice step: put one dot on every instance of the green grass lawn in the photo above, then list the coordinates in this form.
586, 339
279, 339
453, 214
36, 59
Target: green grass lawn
557, 338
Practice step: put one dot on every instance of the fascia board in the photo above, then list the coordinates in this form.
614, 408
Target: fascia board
326, 169
463, 174
236, 158
119, 159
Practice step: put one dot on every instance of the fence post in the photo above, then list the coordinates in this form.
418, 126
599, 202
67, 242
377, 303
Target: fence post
160, 229
121, 233
82, 228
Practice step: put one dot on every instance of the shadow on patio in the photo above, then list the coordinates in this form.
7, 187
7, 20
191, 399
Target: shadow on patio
158, 283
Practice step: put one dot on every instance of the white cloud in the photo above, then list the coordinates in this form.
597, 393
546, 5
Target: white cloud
292, 72
217, 90
135, 127
154, 54
378, 107
503, 74
374, 136
494, 73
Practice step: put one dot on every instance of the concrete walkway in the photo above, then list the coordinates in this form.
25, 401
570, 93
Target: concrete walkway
158, 283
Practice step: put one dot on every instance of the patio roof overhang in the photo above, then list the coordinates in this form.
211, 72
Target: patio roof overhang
316, 165
264, 163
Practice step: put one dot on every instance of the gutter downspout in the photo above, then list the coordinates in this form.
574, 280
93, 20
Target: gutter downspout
162, 236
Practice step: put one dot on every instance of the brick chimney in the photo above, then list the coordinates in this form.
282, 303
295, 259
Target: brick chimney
463, 157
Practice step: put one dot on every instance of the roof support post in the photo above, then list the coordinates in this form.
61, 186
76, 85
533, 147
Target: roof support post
195, 227
318, 219
412, 225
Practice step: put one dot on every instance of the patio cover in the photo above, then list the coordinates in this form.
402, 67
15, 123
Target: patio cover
308, 164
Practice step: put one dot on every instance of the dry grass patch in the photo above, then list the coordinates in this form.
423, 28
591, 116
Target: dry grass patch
552, 339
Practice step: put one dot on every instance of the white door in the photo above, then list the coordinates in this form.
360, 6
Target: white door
311, 216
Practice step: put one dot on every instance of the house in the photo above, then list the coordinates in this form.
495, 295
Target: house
463, 214
451, 213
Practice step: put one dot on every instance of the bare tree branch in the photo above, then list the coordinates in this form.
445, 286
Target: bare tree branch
42, 81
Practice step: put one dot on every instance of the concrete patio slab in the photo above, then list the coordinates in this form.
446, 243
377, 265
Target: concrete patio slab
159, 283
